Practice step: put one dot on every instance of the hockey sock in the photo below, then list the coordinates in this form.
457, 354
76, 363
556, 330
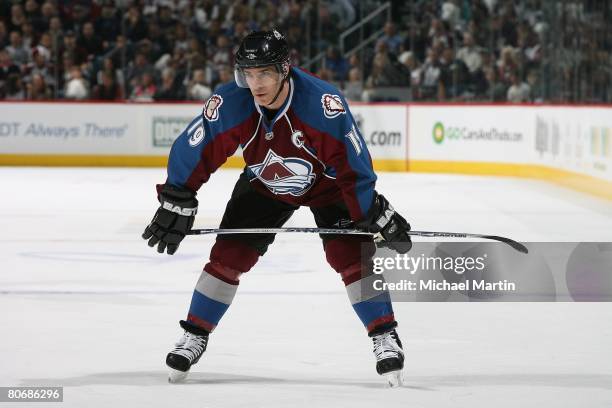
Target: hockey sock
373, 307
218, 283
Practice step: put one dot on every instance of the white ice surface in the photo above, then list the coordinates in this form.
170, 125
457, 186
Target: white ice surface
85, 304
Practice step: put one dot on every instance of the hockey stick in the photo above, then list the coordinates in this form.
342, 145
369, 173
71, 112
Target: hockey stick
516, 245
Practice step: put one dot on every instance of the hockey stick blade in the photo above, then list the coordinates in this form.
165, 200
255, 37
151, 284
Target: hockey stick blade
516, 245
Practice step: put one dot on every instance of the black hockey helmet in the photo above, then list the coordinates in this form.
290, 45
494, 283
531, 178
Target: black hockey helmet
260, 49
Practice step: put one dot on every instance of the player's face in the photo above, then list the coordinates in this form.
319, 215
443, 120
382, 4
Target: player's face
263, 83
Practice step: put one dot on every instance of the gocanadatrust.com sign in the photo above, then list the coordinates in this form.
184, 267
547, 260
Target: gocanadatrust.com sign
574, 139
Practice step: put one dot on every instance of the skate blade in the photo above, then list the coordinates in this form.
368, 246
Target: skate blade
176, 376
395, 379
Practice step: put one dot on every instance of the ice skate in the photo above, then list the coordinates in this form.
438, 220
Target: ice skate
186, 353
389, 357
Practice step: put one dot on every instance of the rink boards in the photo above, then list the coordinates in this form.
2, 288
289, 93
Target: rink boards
570, 145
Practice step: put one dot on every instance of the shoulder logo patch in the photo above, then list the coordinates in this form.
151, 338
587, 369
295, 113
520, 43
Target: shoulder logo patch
197, 136
211, 108
332, 106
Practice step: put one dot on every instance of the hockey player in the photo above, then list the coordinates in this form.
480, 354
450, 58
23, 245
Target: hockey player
302, 148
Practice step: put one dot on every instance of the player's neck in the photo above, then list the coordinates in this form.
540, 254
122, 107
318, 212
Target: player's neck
282, 97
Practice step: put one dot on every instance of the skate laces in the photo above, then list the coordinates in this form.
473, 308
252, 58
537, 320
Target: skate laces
385, 345
190, 345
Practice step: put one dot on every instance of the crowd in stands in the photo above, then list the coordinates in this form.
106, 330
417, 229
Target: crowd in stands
170, 50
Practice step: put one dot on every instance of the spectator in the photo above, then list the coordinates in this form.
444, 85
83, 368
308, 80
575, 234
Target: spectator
48, 11
18, 17
325, 74
7, 67
384, 73
135, 27
354, 62
336, 63
438, 34
528, 45
196, 55
89, 43
225, 76
37, 89
167, 23
479, 34
55, 37
496, 89
519, 91
222, 53
32, 13
470, 54
180, 37
412, 67
45, 47
40, 66
28, 37
107, 25
415, 42
430, 73
391, 38
121, 53
76, 87
13, 88
536, 90
108, 68
19, 54
509, 25
329, 26
345, 9
145, 88
198, 87
295, 40
178, 63
453, 76
137, 69
239, 32
451, 13
168, 91
107, 89
214, 30
507, 64
4, 37
80, 13
160, 43
71, 48
353, 88
67, 65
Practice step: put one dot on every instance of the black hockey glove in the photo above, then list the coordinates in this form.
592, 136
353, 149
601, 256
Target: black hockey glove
392, 227
173, 219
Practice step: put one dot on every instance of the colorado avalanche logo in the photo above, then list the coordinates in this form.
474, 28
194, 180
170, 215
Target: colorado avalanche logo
332, 106
284, 175
211, 108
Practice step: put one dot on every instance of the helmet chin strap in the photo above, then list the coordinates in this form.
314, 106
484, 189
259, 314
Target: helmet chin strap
280, 88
